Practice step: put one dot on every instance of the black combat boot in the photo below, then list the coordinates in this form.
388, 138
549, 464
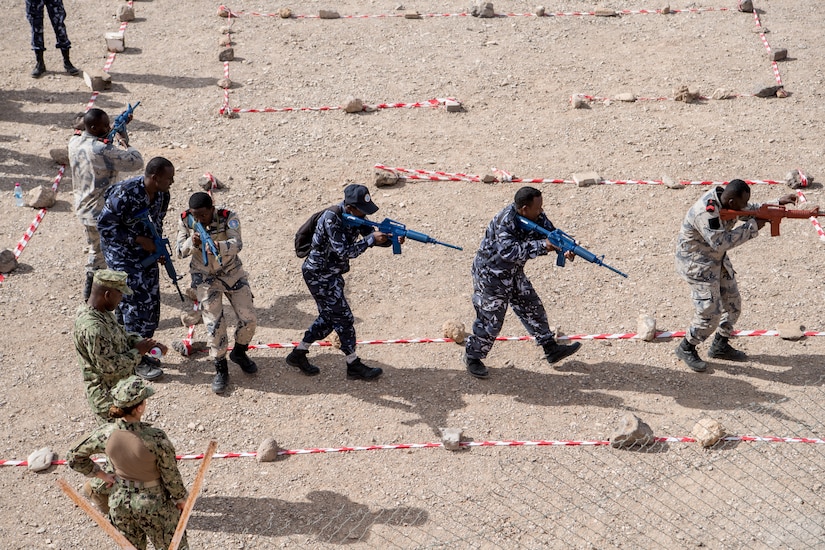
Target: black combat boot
555, 352
687, 353
87, 289
360, 371
240, 358
721, 349
40, 66
221, 376
298, 358
149, 368
71, 69
475, 367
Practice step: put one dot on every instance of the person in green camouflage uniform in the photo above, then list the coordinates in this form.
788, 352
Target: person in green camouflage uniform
105, 351
148, 493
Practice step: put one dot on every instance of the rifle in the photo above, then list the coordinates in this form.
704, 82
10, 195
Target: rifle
206, 240
162, 250
395, 230
564, 243
773, 213
120, 122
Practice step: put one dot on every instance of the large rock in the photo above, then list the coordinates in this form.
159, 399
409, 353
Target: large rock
40, 459
97, 80
125, 12
586, 179
60, 155
41, 196
746, 6
353, 105
328, 14
482, 9
115, 41
8, 262
796, 180
268, 450
454, 330
226, 54
707, 432
451, 438
632, 431
791, 330
646, 327
385, 179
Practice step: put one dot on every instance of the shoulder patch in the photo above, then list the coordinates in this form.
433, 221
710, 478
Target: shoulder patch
711, 206
223, 213
234, 223
184, 214
714, 224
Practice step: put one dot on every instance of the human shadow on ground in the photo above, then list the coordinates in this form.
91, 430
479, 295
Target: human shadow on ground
803, 370
329, 517
166, 81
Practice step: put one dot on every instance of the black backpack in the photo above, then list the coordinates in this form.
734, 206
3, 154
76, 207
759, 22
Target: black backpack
303, 238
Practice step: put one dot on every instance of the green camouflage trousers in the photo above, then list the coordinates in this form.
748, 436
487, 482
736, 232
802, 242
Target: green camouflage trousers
142, 513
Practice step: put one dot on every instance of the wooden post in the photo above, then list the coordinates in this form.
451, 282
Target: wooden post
193, 496
87, 507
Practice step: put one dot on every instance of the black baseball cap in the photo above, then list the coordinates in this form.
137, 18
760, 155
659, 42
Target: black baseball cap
359, 197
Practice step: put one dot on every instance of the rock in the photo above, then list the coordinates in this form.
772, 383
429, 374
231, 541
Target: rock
191, 317
227, 29
721, 93
97, 80
194, 347
8, 262
223, 11
125, 12
489, 178
746, 6
191, 293
671, 184
385, 179
453, 106
686, 94
412, 15
665, 10
790, 330
781, 92
540, 11
707, 432
334, 339
778, 54
225, 83
268, 450
285, 13
210, 182
578, 101
225, 40
796, 180
482, 9
42, 196
328, 14
626, 96
454, 330
40, 459
585, 179
766, 91
605, 12
451, 438
226, 54
646, 327
115, 41
632, 431
60, 155
353, 105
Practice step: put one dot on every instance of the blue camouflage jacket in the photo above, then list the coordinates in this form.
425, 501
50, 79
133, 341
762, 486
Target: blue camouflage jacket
334, 244
506, 246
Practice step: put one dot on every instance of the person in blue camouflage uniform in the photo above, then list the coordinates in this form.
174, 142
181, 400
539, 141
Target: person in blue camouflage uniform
126, 241
221, 275
95, 165
57, 15
702, 261
499, 280
334, 244
148, 493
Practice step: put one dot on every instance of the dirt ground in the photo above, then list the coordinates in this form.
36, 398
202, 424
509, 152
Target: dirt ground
514, 77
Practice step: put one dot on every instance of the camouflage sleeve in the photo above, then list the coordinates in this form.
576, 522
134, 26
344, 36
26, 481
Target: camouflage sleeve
126, 160
511, 247
233, 243
79, 457
340, 240
107, 359
164, 453
718, 238
183, 243
132, 339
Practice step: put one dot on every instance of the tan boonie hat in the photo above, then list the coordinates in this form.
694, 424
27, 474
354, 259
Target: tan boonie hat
130, 392
112, 279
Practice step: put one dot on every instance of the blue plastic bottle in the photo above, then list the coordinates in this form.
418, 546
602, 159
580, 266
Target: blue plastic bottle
18, 195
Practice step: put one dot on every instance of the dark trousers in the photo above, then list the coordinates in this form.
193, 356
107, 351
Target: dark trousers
334, 312
57, 15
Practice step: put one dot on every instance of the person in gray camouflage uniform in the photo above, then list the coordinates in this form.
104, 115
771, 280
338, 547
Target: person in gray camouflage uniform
499, 280
95, 164
148, 493
702, 261
221, 275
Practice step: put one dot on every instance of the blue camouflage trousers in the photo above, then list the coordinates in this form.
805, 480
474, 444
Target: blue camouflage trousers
57, 15
716, 303
141, 310
144, 513
334, 312
491, 296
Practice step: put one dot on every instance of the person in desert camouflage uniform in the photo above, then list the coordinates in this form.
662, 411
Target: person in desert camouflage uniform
148, 493
221, 275
702, 261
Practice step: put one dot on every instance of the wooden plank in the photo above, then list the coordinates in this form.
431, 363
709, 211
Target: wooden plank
95, 514
193, 496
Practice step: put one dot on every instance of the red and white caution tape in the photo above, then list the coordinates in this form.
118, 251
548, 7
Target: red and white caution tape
764, 38
802, 199
437, 102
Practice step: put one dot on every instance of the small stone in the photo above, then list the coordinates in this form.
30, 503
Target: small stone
223, 11
40, 459
285, 13
42, 196
721, 93
334, 339
483, 9
746, 6
541, 11
328, 14
671, 184
60, 155
578, 101
192, 317
451, 438
97, 80
646, 327
225, 40
225, 83
778, 54
125, 12
227, 29
454, 330
585, 179
605, 12
686, 94
385, 179
453, 106
666, 10
707, 432
790, 330
115, 41
626, 96
412, 15
766, 91
226, 54
797, 180
632, 431
267, 450
8, 262
781, 92
208, 183
353, 105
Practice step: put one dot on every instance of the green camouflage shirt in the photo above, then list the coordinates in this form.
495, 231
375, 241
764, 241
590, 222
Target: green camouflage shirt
79, 457
106, 354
